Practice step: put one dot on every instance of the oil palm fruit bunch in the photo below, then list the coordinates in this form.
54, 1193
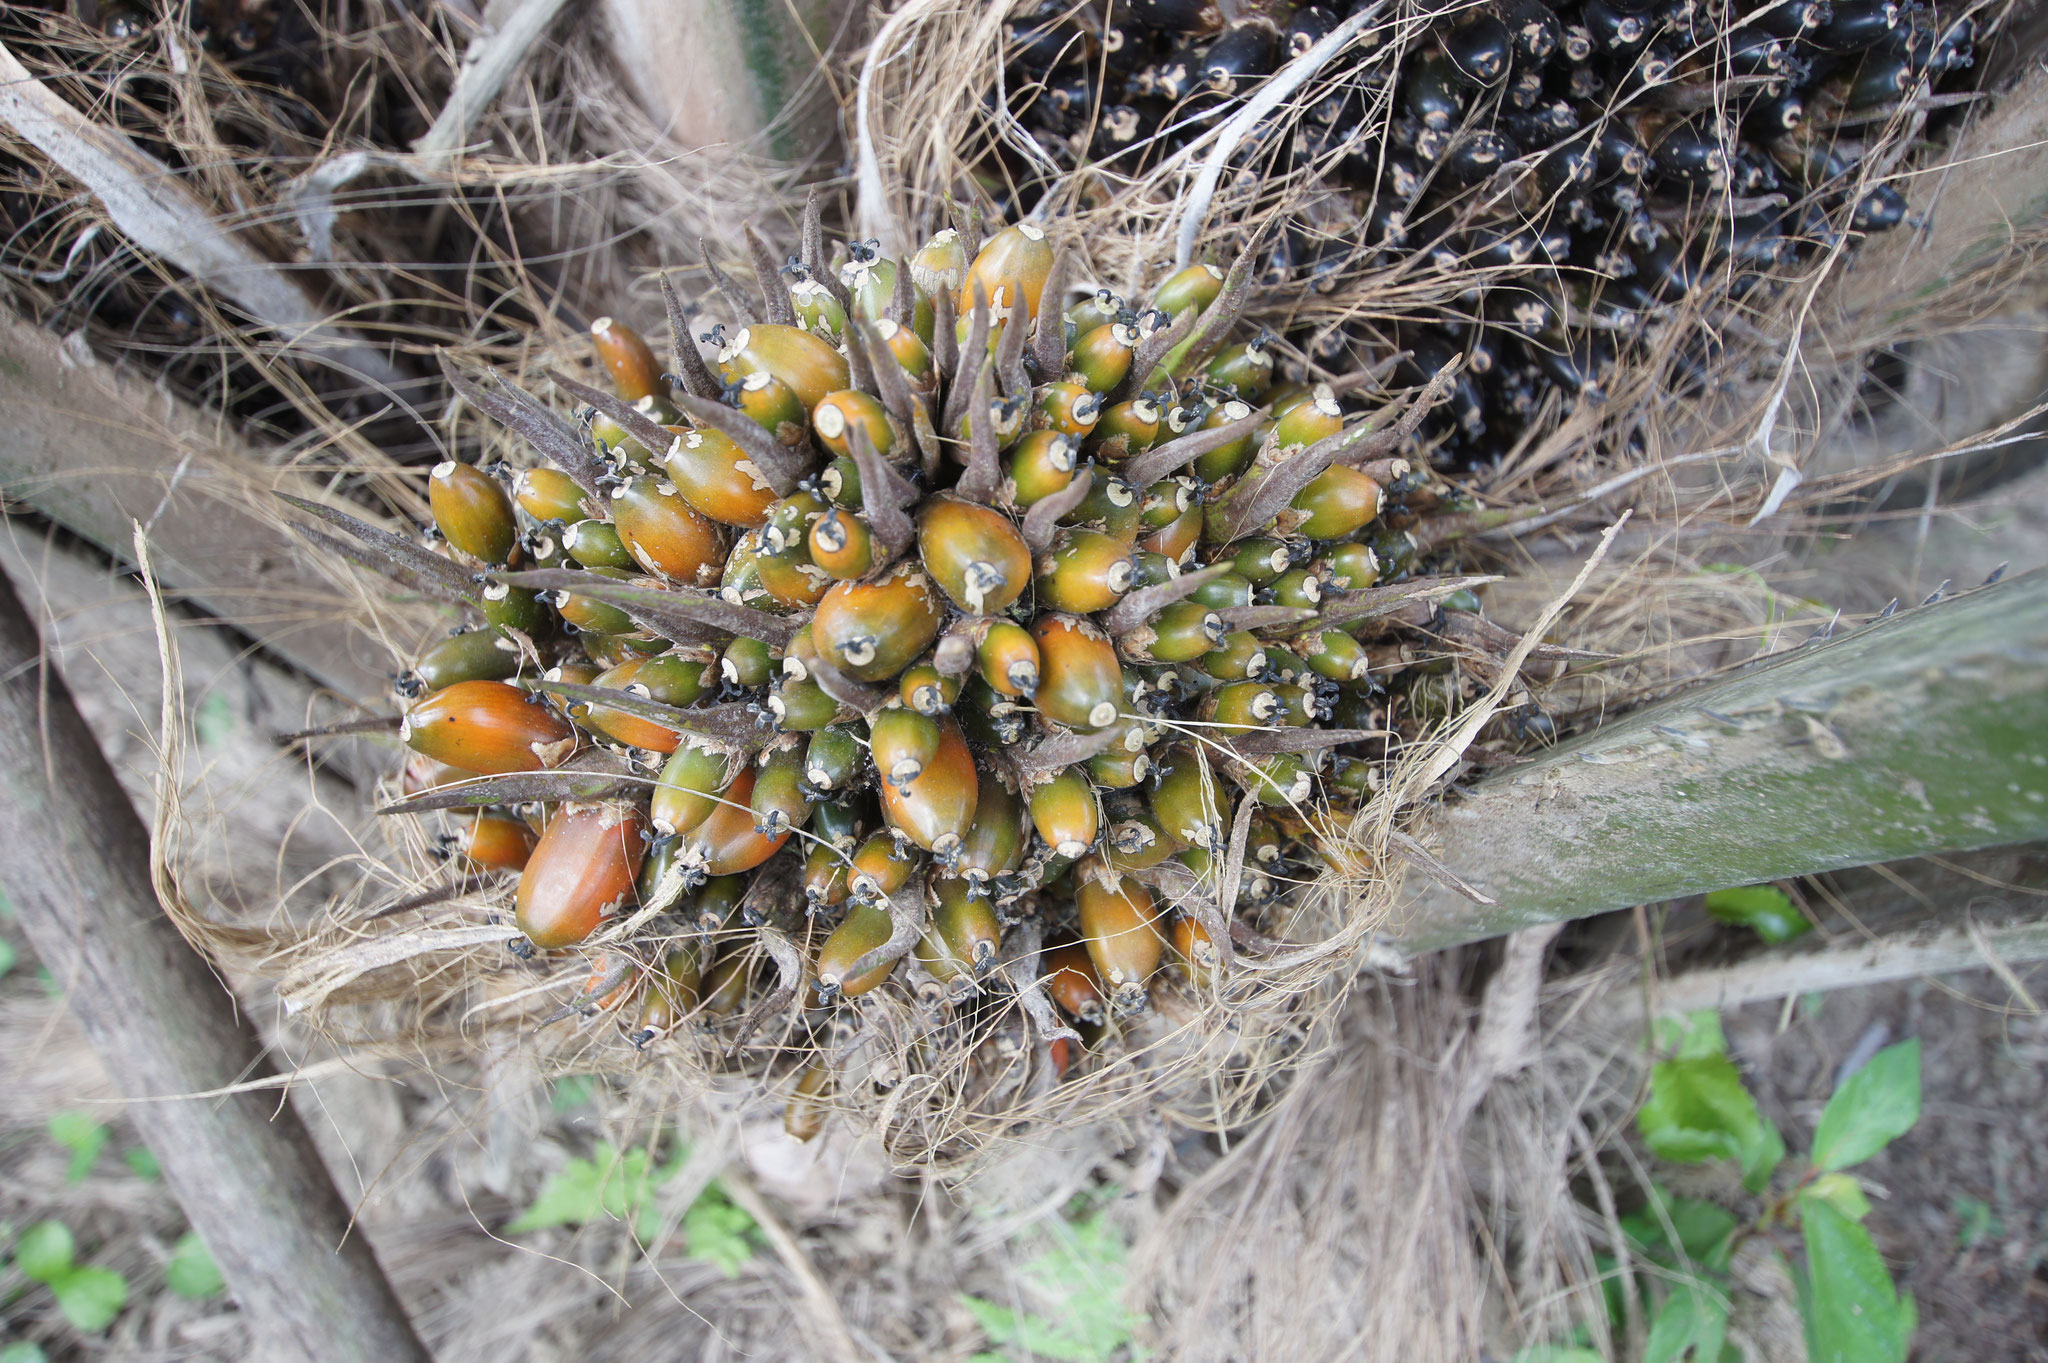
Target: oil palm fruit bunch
945, 631
1568, 169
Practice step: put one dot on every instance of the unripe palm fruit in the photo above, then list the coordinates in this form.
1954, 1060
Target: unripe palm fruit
873, 630
974, 553
473, 512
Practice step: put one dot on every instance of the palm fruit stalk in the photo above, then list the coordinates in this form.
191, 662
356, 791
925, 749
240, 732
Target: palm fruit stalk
1562, 176
1109, 669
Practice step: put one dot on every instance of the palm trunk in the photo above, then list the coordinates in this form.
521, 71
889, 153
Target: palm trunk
1922, 733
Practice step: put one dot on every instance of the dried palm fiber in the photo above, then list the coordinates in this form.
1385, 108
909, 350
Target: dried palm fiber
291, 127
1406, 1198
285, 149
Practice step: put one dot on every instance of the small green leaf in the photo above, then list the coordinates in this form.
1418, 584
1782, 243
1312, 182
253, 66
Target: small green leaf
1978, 1222
1853, 1313
1763, 909
90, 1298
1028, 1333
1879, 1102
613, 1185
1842, 1191
1703, 1229
7, 959
571, 1196
1083, 1274
84, 1137
1690, 1037
191, 1272
45, 1251
143, 1162
23, 1352
718, 1233
1699, 1110
573, 1090
1691, 1324
214, 722
1615, 1290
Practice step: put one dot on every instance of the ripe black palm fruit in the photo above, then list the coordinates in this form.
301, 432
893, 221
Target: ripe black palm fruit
1108, 640
1640, 136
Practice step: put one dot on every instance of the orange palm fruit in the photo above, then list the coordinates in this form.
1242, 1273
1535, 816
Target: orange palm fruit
727, 842
493, 842
881, 868
808, 364
666, 534
488, 727
907, 346
714, 475
1011, 268
838, 413
631, 365
1071, 980
1069, 408
936, 810
873, 630
1102, 357
1119, 927
548, 494
927, 690
1196, 950
1080, 683
1125, 429
1086, 571
790, 578
1007, 657
1042, 463
581, 869
842, 544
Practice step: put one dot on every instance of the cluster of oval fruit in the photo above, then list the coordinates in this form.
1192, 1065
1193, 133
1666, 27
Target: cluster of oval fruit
941, 615
1566, 170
